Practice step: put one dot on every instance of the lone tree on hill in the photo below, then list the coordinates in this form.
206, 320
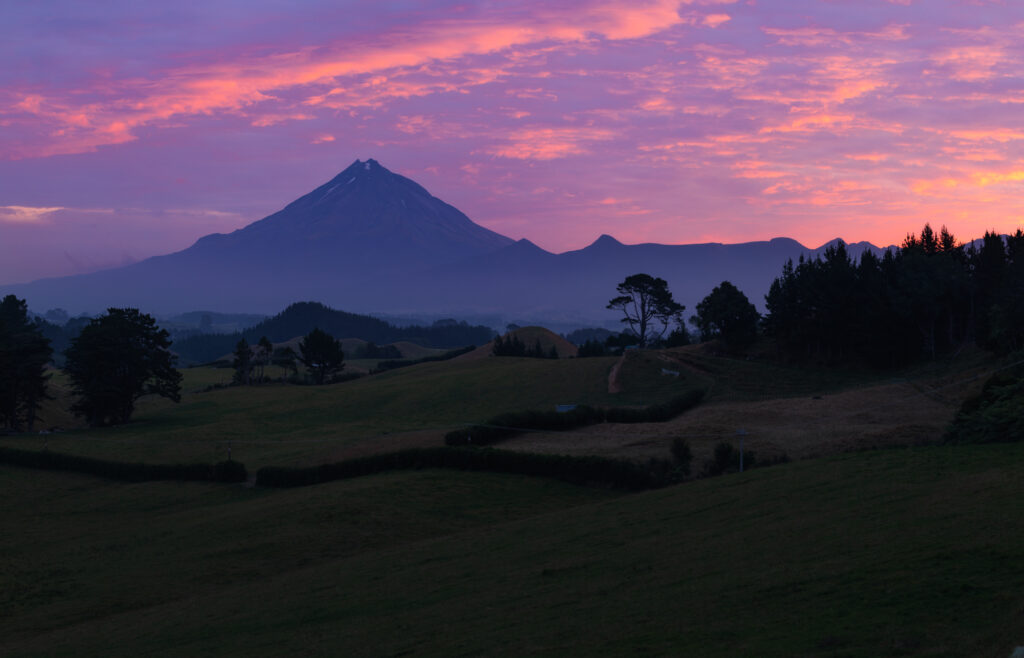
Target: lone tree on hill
118, 358
24, 353
728, 315
321, 353
646, 300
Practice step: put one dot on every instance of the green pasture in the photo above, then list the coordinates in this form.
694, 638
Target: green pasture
290, 424
908, 552
287, 424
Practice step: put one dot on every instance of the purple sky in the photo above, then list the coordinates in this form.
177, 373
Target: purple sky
129, 129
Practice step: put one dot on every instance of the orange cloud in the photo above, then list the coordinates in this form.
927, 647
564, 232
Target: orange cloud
549, 143
25, 214
714, 20
972, 63
238, 85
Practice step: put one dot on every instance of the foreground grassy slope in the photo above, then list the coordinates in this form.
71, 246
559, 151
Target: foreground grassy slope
77, 549
901, 552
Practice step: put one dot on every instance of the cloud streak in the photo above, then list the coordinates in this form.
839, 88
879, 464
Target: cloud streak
699, 120
240, 84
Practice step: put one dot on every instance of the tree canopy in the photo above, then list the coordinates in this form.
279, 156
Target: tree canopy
24, 354
646, 303
929, 297
322, 355
727, 314
116, 359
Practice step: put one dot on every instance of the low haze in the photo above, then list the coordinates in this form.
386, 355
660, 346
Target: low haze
133, 129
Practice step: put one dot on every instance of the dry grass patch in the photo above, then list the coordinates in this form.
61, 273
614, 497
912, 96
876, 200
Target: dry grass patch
870, 417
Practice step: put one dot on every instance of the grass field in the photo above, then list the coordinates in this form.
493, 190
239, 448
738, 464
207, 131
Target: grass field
884, 553
799, 411
288, 424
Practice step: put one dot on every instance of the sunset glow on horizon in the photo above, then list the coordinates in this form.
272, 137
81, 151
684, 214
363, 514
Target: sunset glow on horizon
133, 130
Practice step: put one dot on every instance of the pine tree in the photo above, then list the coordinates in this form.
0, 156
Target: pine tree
24, 354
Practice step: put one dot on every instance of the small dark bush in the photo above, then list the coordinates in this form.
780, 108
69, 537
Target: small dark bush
727, 460
682, 456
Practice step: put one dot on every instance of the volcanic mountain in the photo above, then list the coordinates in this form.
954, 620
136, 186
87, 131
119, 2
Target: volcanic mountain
366, 216
366, 231
372, 241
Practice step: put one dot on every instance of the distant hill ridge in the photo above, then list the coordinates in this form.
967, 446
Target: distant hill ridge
373, 241
302, 317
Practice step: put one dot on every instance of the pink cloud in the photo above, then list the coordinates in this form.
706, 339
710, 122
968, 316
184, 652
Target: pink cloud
239, 85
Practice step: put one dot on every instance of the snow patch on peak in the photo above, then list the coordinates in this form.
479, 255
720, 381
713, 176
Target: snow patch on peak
366, 165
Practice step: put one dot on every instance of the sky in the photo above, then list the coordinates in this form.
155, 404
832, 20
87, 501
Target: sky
130, 129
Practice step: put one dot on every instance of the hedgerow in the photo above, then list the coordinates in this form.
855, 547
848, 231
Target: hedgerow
509, 424
226, 471
598, 471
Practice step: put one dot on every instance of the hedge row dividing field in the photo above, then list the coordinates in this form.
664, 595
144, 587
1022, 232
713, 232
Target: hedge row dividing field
594, 471
510, 424
225, 471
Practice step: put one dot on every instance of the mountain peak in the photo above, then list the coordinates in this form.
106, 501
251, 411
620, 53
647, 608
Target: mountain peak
359, 166
606, 241
367, 209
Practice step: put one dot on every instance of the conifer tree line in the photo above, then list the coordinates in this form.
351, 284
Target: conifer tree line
929, 297
511, 345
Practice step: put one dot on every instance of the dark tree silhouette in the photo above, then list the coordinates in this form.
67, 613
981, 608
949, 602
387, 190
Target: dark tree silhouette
645, 301
929, 297
727, 314
242, 363
285, 357
262, 357
24, 353
115, 360
321, 353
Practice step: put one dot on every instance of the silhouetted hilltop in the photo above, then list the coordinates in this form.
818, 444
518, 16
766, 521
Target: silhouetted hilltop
373, 242
301, 318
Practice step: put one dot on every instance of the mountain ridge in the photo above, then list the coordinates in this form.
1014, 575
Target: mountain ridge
372, 241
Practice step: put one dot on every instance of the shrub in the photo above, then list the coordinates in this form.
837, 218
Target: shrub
509, 424
682, 456
657, 413
994, 415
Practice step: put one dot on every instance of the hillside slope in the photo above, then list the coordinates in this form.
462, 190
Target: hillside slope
886, 553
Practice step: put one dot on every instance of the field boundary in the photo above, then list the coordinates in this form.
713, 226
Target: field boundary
226, 471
